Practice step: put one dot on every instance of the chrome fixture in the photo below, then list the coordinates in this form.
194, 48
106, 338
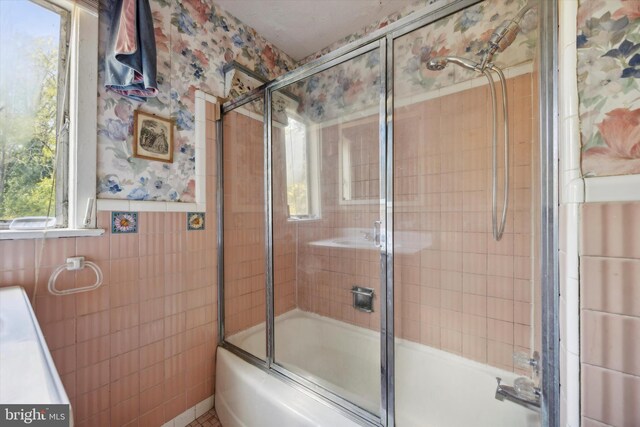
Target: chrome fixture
523, 393
498, 229
523, 361
362, 299
502, 37
505, 34
439, 63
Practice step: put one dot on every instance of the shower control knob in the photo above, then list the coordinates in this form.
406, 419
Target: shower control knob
522, 360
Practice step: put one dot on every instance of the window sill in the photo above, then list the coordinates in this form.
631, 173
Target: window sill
50, 234
149, 206
304, 219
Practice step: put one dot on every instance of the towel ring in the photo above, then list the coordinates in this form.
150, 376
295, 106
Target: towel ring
75, 264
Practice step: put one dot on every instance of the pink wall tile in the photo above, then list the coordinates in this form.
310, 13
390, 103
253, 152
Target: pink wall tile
109, 344
152, 398
152, 375
92, 377
92, 403
610, 397
447, 293
93, 351
610, 285
610, 314
56, 251
611, 341
92, 326
588, 422
125, 412
17, 255
608, 227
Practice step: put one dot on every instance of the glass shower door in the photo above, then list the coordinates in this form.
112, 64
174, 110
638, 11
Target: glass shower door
327, 197
463, 298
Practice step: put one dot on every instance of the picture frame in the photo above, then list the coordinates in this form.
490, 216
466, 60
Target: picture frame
152, 137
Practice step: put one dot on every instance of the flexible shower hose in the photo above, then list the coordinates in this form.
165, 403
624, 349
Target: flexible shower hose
498, 228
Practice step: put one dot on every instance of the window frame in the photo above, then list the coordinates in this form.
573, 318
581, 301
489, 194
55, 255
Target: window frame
345, 177
82, 126
312, 139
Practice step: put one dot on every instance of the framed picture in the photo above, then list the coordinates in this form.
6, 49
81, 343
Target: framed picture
152, 137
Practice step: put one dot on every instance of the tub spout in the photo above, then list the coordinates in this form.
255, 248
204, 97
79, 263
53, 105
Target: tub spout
505, 392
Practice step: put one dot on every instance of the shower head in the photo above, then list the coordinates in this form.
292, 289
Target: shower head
439, 62
505, 34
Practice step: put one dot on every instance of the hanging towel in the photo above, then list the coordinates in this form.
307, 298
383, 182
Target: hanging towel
130, 57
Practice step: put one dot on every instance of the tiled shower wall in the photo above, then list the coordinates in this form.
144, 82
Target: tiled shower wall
326, 275
610, 314
463, 293
139, 350
244, 228
466, 293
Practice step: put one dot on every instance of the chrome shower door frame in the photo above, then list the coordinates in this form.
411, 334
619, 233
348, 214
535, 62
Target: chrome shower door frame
383, 40
361, 414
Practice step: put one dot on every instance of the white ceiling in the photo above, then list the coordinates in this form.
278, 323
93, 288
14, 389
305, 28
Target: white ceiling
303, 27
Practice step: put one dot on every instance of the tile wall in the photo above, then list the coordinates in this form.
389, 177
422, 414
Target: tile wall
325, 275
610, 314
139, 350
466, 293
244, 228
475, 294
461, 292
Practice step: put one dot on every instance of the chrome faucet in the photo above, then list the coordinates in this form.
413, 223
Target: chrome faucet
523, 399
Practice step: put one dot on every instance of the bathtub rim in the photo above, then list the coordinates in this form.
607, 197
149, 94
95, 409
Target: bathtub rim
372, 334
309, 388
328, 397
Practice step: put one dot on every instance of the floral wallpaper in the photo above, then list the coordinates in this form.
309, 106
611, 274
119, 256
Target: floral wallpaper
608, 45
353, 86
195, 39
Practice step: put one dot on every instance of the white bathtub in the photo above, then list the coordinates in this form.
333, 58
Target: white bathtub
433, 388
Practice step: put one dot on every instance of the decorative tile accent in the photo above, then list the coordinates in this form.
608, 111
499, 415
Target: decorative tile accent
195, 221
124, 222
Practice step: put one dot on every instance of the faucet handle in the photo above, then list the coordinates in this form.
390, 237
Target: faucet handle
499, 380
524, 361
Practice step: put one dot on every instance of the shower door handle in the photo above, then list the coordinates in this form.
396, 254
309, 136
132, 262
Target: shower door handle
376, 233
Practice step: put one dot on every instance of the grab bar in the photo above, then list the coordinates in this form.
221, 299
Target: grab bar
75, 264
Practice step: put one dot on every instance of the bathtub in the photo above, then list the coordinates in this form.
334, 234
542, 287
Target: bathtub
433, 388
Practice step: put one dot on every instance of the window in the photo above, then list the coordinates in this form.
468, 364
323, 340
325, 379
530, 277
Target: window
33, 110
48, 76
302, 170
359, 162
